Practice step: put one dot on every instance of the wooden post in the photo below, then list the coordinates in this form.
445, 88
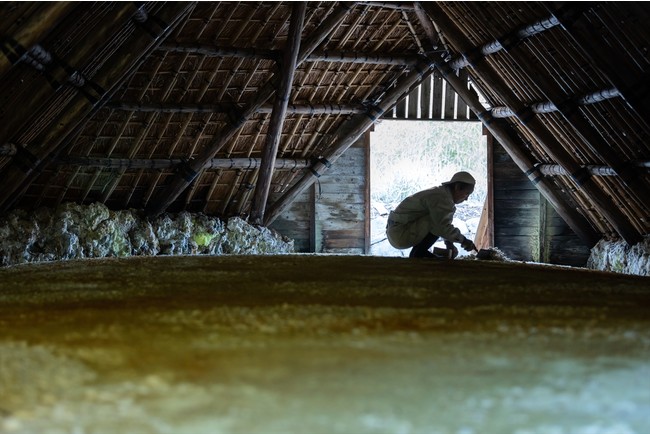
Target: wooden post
366, 192
270, 151
315, 227
490, 187
542, 251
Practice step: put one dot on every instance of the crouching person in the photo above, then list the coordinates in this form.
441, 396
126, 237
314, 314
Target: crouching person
424, 217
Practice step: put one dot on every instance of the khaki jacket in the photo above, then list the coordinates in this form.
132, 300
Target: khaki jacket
428, 211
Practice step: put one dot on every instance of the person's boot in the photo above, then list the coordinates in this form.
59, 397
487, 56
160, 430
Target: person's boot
421, 249
420, 253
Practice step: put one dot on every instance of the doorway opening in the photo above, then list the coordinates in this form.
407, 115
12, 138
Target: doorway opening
409, 156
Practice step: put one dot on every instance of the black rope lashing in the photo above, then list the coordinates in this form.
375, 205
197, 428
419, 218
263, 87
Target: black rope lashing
12, 49
25, 160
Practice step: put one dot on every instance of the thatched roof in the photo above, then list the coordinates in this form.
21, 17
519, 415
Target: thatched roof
173, 105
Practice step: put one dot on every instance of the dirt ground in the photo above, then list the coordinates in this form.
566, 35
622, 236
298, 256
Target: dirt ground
312, 344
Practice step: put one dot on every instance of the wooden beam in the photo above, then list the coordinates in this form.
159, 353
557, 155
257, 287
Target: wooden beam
400, 6
214, 51
490, 187
122, 61
365, 58
545, 138
191, 170
521, 157
168, 163
557, 170
270, 151
550, 107
302, 109
316, 56
345, 136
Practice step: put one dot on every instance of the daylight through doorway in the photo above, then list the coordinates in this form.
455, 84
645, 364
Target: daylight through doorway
409, 156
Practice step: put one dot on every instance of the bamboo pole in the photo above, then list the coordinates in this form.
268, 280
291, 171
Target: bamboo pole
190, 171
302, 109
212, 51
509, 41
596, 170
581, 177
550, 107
282, 95
346, 136
316, 56
365, 58
167, 163
400, 6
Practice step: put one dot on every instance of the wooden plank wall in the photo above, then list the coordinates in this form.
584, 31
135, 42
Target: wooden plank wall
526, 227
295, 222
330, 217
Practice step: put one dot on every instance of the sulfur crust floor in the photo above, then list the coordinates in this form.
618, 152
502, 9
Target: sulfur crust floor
312, 344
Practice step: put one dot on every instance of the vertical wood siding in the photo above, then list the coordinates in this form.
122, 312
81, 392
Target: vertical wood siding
434, 99
331, 217
526, 227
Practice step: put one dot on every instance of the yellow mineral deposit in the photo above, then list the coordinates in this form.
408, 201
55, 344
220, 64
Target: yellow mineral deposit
313, 344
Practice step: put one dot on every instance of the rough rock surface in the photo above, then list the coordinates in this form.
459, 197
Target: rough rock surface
74, 231
618, 257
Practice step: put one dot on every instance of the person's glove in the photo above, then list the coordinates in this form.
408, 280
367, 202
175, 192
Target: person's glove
452, 248
468, 245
